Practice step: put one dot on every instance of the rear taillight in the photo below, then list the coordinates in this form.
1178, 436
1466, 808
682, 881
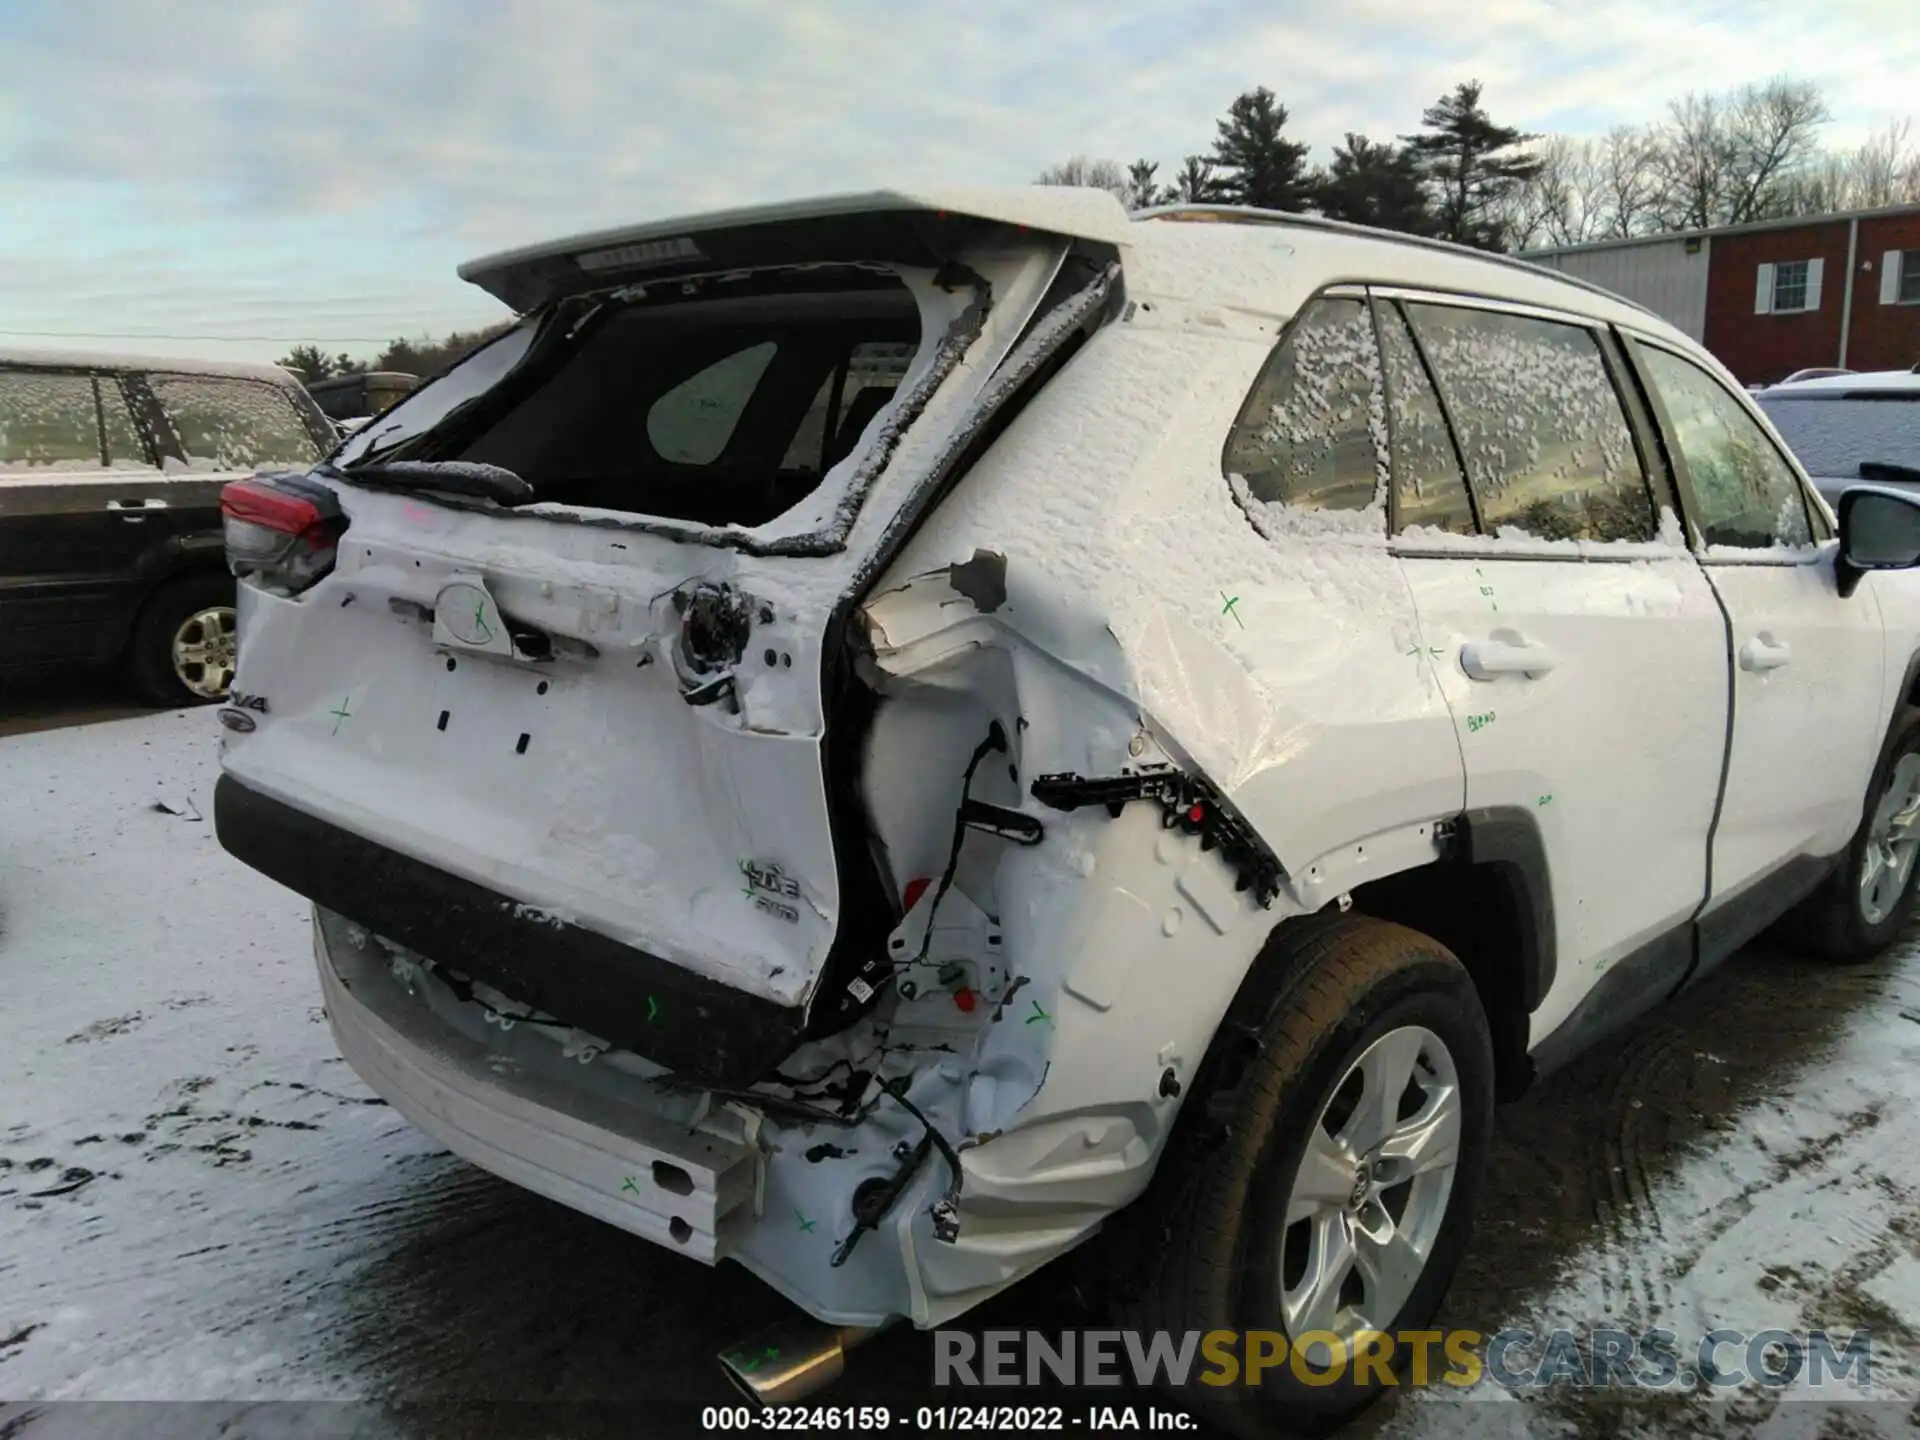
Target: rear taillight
282, 531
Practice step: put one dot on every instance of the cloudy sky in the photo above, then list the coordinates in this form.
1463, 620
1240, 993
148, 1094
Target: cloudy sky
228, 177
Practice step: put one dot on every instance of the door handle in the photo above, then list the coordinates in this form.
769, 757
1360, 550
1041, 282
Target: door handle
1764, 653
1490, 659
134, 511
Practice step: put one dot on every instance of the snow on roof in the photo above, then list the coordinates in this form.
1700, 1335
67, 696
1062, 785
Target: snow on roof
172, 364
1836, 385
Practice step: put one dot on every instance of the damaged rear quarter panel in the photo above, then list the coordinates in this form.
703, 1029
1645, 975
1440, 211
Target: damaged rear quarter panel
1113, 644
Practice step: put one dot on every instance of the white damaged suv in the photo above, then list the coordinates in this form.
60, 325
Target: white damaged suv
862, 733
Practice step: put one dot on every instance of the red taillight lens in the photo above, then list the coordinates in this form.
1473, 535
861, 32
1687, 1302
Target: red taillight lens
281, 531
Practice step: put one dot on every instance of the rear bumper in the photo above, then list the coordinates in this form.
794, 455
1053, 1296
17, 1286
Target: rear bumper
688, 1192
702, 1030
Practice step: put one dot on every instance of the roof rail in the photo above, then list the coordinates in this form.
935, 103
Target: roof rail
1253, 215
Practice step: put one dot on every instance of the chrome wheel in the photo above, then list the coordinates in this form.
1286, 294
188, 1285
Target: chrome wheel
204, 649
1892, 839
1371, 1192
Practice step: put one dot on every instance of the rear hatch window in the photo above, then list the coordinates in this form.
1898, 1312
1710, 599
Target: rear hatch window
1832, 437
716, 409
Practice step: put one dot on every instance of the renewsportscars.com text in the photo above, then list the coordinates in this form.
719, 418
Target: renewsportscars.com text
1515, 1359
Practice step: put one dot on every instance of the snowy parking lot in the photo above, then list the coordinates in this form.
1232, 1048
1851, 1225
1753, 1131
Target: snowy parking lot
199, 1202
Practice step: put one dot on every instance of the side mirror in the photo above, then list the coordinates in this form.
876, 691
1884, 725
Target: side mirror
1879, 530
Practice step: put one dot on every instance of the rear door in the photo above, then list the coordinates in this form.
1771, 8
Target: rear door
80, 499
600, 717
1808, 708
1574, 635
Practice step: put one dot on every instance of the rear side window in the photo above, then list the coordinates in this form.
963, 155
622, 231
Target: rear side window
1546, 442
233, 424
851, 396
47, 423
1311, 432
1429, 487
1744, 493
692, 423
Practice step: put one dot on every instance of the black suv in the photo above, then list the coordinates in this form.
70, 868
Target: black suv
110, 534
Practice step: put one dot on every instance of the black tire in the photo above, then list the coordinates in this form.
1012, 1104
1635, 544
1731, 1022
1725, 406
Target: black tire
1323, 991
150, 656
1832, 922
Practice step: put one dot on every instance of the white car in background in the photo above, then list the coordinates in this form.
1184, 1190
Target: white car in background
1849, 428
877, 737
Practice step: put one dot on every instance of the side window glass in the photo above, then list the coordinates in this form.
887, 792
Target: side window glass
232, 424
692, 423
126, 448
47, 423
1744, 492
1311, 432
1546, 442
1429, 487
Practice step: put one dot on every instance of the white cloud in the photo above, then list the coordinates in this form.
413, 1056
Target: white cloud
331, 163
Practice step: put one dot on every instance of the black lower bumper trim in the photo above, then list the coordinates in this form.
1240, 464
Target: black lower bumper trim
703, 1031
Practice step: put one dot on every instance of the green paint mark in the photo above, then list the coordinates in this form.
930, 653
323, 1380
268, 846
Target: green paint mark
1479, 722
1545, 800
480, 622
1228, 609
341, 714
747, 1364
806, 1225
1039, 1014
627, 1187
653, 1009
1430, 651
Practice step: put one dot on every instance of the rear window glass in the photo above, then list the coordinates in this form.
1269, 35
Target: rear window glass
1831, 437
234, 424
47, 423
692, 423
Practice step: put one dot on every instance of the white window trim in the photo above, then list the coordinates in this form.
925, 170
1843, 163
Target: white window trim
1894, 266
1765, 288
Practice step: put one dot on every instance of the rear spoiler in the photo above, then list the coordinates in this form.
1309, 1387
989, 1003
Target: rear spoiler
880, 227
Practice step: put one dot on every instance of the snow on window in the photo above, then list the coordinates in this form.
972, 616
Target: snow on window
126, 446
231, 424
1746, 494
1430, 489
1313, 432
1545, 440
47, 422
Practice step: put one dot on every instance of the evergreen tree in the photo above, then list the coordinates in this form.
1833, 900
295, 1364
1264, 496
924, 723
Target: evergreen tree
1263, 168
1374, 184
1143, 191
308, 362
1196, 183
1471, 166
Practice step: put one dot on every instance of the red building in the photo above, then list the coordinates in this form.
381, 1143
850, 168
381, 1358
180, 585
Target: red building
1777, 296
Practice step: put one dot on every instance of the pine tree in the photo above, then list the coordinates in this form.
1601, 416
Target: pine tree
1470, 165
1374, 184
1143, 191
1263, 168
308, 362
1196, 184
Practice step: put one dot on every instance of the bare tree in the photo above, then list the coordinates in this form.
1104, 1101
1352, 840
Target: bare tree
1883, 170
1727, 159
1092, 174
1629, 181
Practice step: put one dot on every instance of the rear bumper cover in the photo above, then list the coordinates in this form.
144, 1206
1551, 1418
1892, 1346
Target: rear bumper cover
687, 1192
703, 1031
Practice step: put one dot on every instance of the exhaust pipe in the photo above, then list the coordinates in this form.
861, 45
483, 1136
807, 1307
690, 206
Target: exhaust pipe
790, 1361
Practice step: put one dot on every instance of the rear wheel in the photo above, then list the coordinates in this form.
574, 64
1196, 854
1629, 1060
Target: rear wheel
184, 646
1339, 1199
1861, 908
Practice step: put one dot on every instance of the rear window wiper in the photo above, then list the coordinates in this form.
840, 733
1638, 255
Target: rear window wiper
1888, 470
453, 477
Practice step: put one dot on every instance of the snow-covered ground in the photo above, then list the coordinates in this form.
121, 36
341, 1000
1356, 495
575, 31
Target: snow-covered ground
198, 1202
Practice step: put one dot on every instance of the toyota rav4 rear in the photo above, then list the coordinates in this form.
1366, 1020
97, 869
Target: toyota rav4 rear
557, 698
